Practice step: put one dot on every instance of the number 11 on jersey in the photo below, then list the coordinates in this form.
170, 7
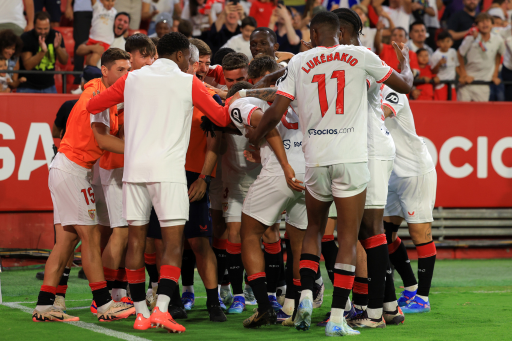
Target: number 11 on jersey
322, 93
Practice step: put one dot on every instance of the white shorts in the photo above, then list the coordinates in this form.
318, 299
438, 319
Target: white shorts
114, 195
233, 200
101, 203
269, 196
170, 200
377, 190
341, 180
216, 192
412, 198
74, 200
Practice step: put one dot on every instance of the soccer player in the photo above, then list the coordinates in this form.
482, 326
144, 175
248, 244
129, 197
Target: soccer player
261, 66
73, 199
335, 148
411, 196
158, 114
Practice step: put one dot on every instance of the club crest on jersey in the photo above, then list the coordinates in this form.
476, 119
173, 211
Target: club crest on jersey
225, 206
345, 57
92, 213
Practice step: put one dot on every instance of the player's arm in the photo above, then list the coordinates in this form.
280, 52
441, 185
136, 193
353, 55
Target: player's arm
206, 104
401, 82
269, 79
197, 189
266, 94
496, 78
56, 131
105, 140
108, 98
269, 120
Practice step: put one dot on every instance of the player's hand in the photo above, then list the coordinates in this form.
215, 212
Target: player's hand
402, 52
380, 25
252, 155
306, 44
469, 79
42, 44
58, 40
197, 190
416, 6
496, 80
69, 13
293, 183
250, 134
233, 98
283, 56
436, 80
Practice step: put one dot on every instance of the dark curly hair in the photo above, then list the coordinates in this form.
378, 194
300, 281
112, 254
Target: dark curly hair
171, 43
7, 39
350, 17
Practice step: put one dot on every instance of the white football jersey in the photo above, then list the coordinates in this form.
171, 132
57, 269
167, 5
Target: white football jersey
412, 156
329, 84
241, 111
380, 142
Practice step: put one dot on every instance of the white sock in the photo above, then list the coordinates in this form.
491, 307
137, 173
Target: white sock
43, 308
336, 315
105, 307
154, 285
360, 307
306, 293
118, 293
374, 313
142, 308
271, 294
348, 305
188, 288
319, 281
283, 289
412, 287
239, 295
225, 287
247, 286
218, 288
424, 298
288, 306
162, 302
150, 291
390, 306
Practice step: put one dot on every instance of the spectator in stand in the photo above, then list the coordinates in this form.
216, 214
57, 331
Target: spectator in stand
479, 58
400, 13
5, 79
460, 22
103, 17
12, 18
80, 12
186, 28
42, 48
205, 54
387, 53
10, 49
418, 35
368, 37
506, 71
132, 7
196, 12
164, 25
288, 37
500, 9
261, 11
52, 7
424, 91
432, 22
240, 42
444, 63
226, 25
151, 9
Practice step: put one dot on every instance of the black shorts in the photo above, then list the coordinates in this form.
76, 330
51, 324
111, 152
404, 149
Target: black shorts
199, 222
51, 6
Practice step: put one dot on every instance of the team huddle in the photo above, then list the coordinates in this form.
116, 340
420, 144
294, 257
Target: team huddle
159, 154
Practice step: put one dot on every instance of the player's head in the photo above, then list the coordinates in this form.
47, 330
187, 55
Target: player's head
351, 25
186, 28
121, 23
484, 23
176, 47
324, 25
234, 66
248, 26
260, 66
444, 40
220, 54
399, 35
263, 41
422, 55
108, 4
163, 24
418, 32
141, 49
42, 24
194, 60
237, 87
115, 63
89, 73
205, 54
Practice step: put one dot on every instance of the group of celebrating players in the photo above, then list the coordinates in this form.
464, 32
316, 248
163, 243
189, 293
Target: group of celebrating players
152, 160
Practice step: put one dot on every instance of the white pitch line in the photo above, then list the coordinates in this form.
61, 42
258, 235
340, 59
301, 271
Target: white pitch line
84, 325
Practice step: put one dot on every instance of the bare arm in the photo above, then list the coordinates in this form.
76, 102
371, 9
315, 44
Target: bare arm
458, 35
293, 37
430, 11
93, 2
62, 54
461, 69
197, 189
69, 10
177, 11
401, 82
407, 5
495, 78
269, 79
377, 42
435, 69
30, 61
266, 94
56, 131
221, 18
105, 140
29, 9
146, 13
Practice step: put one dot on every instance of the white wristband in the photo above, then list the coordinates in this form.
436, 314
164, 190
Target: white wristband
243, 93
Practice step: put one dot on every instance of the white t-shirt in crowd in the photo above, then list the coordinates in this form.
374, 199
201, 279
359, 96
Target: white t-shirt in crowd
119, 43
479, 63
4, 80
82, 6
11, 11
415, 48
102, 27
162, 6
368, 38
239, 44
412, 156
507, 40
446, 72
380, 142
199, 21
241, 111
329, 84
431, 21
399, 16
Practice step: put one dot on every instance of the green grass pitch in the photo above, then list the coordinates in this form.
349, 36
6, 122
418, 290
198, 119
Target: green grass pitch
470, 299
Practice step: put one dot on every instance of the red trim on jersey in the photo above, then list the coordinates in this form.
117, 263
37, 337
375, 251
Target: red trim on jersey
49, 288
250, 114
219, 243
296, 282
110, 274
368, 83
372, 242
273, 248
98, 285
309, 264
150, 258
233, 248
287, 95
360, 288
202, 99
170, 272
394, 245
61, 289
386, 76
108, 98
256, 276
328, 238
427, 250
390, 107
136, 276
343, 281
330, 47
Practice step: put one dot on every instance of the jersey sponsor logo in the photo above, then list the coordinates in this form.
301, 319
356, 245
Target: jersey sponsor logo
297, 144
287, 144
392, 97
330, 131
318, 60
236, 115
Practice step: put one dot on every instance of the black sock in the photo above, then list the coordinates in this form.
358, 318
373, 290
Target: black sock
212, 297
308, 270
360, 291
173, 291
329, 251
100, 293
426, 261
343, 283
290, 291
46, 295
258, 284
221, 256
297, 289
272, 255
389, 293
236, 272
377, 262
137, 282
150, 264
400, 260
282, 273
63, 283
188, 263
